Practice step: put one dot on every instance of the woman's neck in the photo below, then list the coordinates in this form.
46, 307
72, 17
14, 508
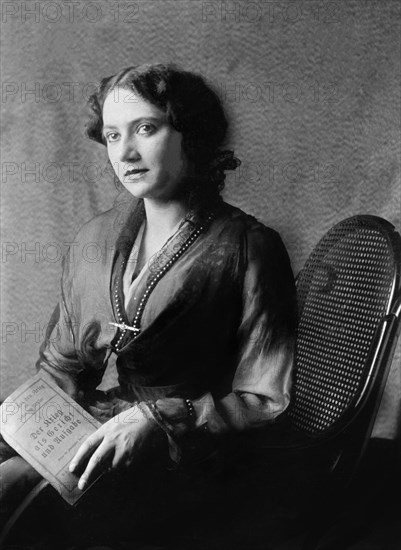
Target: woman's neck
162, 217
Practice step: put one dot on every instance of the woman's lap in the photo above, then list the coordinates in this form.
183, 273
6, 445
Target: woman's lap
150, 503
17, 479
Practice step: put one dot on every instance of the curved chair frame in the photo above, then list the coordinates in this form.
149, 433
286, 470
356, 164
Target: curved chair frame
342, 421
381, 335
25, 504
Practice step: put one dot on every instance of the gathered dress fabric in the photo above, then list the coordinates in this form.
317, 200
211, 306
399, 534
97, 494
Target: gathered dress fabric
211, 317
220, 319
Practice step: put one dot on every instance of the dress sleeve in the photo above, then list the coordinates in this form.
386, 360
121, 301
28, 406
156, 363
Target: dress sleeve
76, 370
266, 334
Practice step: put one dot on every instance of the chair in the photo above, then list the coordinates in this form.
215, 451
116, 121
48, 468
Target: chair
349, 300
349, 318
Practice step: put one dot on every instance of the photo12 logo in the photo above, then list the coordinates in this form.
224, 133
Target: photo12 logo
271, 172
70, 12
46, 92
274, 91
271, 12
30, 172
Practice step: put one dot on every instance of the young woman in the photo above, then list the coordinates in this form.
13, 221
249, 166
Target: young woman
194, 297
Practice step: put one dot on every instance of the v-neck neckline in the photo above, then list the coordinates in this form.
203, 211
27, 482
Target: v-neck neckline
189, 230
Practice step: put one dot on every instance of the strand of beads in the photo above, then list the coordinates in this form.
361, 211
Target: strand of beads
153, 282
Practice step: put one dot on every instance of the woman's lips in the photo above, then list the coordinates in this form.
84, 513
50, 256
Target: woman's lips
135, 171
134, 174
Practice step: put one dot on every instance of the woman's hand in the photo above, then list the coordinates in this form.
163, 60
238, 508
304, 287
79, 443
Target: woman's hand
114, 445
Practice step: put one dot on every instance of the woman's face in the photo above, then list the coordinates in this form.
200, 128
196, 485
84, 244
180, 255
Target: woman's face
144, 149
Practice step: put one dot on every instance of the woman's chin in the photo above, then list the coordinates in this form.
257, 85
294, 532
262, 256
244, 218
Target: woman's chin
137, 189
143, 192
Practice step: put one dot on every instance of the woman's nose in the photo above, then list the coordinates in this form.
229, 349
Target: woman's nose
129, 151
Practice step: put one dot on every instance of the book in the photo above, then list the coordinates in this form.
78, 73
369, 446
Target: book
46, 427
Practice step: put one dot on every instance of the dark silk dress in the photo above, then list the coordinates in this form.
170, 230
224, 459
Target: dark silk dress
214, 320
216, 310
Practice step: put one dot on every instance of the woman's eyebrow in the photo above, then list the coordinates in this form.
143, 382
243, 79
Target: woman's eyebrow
133, 122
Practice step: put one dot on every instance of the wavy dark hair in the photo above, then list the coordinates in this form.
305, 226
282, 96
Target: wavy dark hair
193, 108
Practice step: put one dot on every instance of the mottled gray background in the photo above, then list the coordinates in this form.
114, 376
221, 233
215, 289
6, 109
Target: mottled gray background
312, 89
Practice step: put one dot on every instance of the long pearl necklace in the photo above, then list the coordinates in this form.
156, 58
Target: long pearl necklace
135, 327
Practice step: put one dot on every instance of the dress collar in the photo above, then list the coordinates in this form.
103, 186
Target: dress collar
132, 214
195, 222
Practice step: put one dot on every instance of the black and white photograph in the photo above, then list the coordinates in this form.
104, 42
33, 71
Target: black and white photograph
200, 275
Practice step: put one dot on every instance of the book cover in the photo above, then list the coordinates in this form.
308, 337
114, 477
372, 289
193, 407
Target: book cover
46, 427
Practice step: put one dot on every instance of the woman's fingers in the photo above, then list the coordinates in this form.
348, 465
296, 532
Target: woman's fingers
85, 450
114, 445
97, 464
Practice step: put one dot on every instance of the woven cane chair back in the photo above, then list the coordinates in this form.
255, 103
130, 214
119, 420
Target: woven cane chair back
345, 290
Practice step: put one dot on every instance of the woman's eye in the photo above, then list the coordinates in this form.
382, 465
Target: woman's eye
145, 129
111, 136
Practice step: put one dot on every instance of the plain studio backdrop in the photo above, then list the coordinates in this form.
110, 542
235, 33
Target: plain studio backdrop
312, 90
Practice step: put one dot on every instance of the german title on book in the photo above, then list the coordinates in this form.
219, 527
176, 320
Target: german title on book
46, 427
